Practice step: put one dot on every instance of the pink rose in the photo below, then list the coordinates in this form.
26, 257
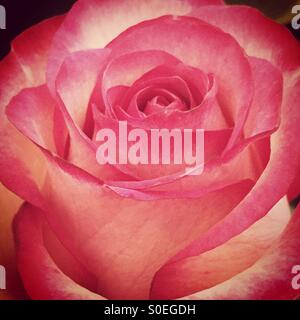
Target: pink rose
90, 231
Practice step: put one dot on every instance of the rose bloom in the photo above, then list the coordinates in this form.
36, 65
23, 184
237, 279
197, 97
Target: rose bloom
73, 229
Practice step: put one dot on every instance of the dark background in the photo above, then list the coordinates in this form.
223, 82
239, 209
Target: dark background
21, 14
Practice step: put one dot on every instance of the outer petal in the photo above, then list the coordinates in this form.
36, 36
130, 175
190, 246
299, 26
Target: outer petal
259, 36
220, 264
264, 114
41, 276
89, 217
270, 277
21, 164
9, 205
93, 24
32, 112
31, 49
16, 73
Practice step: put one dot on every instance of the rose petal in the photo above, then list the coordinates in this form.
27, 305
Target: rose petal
207, 115
264, 114
138, 95
197, 39
128, 68
76, 80
88, 217
125, 70
247, 164
32, 46
42, 278
294, 190
9, 204
270, 278
260, 37
224, 262
32, 112
95, 23
15, 74
270, 187
65, 261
